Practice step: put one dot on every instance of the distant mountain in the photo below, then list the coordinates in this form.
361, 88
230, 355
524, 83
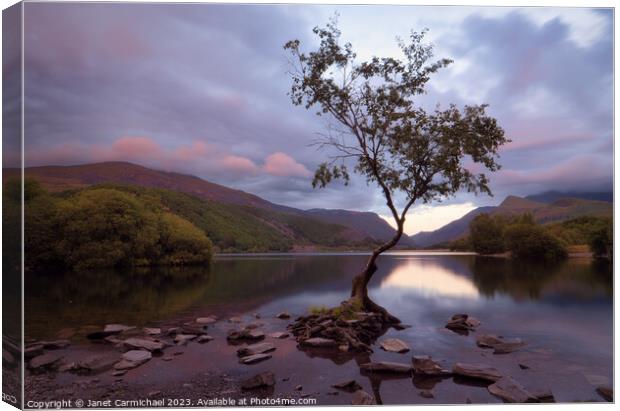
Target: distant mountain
345, 226
551, 196
449, 232
557, 210
368, 223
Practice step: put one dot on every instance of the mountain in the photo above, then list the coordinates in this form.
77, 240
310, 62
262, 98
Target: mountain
449, 232
317, 226
548, 197
557, 210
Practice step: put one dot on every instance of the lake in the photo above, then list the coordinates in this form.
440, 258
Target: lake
563, 311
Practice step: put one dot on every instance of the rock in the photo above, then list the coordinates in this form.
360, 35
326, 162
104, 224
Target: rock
350, 385
195, 329
279, 335
299, 387
479, 371
265, 379
386, 366
394, 345
206, 320
167, 358
426, 394
116, 328
423, 365
499, 344
256, 315
69, 366
543, 395
283, 315
132, 359
472, 322
343, 347
460, 323
141, 343
361, 397
252, 359
8, 358
66, 333
401, 326
113, 339
173, 331
119, 373
235, 319
508, 346
245, 334
180, 339
55, 345
153, 393
33, 351
319, 342
253, 349
44, 361
510, 390
152, 331
606, 392
98, 363
488, 341
204, 338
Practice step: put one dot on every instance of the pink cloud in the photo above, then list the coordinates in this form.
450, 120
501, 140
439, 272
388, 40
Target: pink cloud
136, 147
239, 164
283, 165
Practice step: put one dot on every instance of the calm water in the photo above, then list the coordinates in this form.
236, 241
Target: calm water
563, 311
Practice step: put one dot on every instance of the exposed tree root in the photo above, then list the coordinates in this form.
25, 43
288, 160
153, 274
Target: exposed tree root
350, 327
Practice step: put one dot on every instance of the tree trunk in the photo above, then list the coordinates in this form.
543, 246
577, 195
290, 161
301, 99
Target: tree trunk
359, 287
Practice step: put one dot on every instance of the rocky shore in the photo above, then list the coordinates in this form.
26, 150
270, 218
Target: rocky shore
248, 357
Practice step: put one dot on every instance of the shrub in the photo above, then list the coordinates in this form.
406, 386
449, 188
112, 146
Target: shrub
529, 241
486, 234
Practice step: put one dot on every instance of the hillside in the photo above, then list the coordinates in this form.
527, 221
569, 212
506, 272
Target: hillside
559, 210
551, 196
238, 213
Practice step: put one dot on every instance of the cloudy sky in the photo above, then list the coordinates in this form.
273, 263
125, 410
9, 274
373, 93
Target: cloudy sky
202, 89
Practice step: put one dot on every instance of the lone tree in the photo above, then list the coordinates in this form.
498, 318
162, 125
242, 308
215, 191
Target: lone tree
411, 154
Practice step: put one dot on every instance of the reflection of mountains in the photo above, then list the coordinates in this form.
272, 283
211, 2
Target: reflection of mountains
153, 295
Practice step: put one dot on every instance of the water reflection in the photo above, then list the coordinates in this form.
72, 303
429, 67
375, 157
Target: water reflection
56, 301
429, 277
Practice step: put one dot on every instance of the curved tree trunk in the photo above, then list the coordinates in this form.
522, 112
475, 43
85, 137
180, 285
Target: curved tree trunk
359, 286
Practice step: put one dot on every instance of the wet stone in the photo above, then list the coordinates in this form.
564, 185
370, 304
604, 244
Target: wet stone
279, 335
423, 365
479, 371
361, 397
252, 359
394, 345
350, 385
254, 349
387, 367
510, 390
206, 320
319, 342
265, 379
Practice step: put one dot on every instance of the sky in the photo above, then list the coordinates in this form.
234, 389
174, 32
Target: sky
202, 89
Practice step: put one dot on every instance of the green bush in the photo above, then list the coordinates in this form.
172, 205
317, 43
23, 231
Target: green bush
486, 234
529, 241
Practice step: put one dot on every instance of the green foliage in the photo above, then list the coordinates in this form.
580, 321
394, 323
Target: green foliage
107, 227
392, 141
601, 242
530, 241
462, 244
486, 234
182, 243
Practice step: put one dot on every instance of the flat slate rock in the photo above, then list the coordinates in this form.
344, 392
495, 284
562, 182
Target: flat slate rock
283, 315
235, 319
47, 360
33, 351
98, 363
260, 348
206, 320
141, 343
510, 390
394, 345
152, 331
488, 340
184, 338
252, 359
423, 365
361, 397
56, 344
265, 379
350, 386
387, 366
500, 345
204, 338
279, 335
245, 334
479, 371
319, 342
132, 359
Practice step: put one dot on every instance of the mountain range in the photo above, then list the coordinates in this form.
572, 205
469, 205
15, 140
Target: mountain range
217, 208
551, 206
302, 227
